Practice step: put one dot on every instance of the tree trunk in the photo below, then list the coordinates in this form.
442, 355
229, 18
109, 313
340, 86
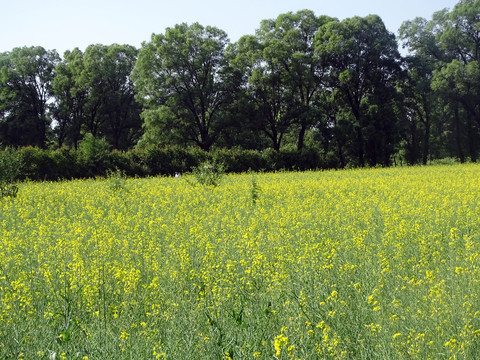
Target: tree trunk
360, 150
301, 137
426, 140
471, 140
458, 137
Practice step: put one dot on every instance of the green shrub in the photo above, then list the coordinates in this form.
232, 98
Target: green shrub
66, 164
240, 160
158, 162
10, 163
117, 180
94, 155
94, 158
37, 164
208, 173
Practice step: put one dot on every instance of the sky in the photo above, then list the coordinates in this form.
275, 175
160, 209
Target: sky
65, 24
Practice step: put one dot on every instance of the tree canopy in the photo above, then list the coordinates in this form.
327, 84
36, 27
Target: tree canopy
180, 83
26, 77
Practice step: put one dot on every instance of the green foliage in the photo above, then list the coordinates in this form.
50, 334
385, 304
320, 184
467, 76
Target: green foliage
8, 190
129, 162
445, 161
364, 68
10, 163
26, 76
93, 154
255, 190
449, 49
37, 164
208, 173
95, 159
64, 164
94, 92
117, 180
240, 160
185, 54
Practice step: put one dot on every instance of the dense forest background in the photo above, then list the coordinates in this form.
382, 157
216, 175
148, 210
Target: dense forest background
333, 93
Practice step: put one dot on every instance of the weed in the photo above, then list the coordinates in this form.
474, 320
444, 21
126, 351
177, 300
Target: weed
209, 173
255, 191
117, 180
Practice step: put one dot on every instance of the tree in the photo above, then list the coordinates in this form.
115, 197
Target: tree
460, 37
179, 79
458, 31
458, 84
421, 104
95, 94
70, 99
419, 36
112, 110
419, 109
265, 86
363, 70
289, 42
446, 51
26, 76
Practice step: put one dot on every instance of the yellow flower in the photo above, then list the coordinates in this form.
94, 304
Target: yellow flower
279, 342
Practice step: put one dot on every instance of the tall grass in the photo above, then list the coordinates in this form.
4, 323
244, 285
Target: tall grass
358, 264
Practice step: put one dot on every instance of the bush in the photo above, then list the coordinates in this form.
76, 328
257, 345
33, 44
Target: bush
94, 155
117, 180
10, 163
158, 162
209, 173
66, 164
37, 164
168, 161
289, 160
94, 158
240, 160
9, 170
129, 162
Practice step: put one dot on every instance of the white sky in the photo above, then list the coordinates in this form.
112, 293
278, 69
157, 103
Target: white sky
66, 24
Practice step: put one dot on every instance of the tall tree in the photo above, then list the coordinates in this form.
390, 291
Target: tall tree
95, 94
461, 39
289, 42
420, 106
264, 84
452, 38
113, 112
363, 69
179, 78
70, 99
421, 103
458, 84
26, 76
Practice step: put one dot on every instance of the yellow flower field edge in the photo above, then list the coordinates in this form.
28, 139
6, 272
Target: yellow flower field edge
357, 264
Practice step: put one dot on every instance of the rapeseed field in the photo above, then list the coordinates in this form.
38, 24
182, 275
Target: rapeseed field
354, 264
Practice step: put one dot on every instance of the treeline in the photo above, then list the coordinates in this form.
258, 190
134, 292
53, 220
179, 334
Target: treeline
337, 91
